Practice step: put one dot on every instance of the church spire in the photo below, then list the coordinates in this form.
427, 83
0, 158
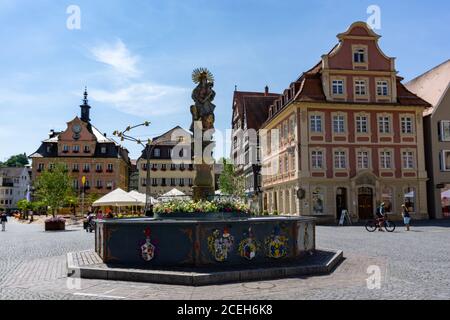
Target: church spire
85, 100
85, 107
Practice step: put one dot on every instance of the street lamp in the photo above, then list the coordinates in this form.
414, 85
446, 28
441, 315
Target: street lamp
148, 148
124, 136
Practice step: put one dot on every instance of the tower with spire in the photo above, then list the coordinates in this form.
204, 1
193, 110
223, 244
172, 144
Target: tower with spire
85, 108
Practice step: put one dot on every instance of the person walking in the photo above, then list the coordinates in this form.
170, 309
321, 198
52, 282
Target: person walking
406, 217
4, 220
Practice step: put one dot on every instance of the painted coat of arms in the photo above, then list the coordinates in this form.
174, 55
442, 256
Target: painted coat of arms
220, 245
277, 244
248, 247
147, 249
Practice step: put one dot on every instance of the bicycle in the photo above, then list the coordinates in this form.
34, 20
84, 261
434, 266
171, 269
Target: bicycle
373, 225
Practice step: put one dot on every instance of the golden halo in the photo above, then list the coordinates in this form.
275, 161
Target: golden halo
202, 73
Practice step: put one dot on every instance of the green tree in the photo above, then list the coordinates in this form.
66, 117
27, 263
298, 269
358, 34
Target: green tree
18, 160
53, 187
229, 182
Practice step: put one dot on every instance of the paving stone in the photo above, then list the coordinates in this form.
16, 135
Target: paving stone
413, 266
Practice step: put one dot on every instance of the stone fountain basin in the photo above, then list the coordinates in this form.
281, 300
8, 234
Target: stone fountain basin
189, 241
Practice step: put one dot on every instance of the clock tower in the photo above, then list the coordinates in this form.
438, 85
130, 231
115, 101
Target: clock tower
85, 108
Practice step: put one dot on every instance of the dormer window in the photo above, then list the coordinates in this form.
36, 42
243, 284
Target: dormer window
103, 150
359, 56
157, 153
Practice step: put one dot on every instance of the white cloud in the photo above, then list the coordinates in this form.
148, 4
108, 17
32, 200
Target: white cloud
117, 56
145, 99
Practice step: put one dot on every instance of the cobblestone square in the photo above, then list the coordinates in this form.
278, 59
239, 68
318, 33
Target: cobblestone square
412, 265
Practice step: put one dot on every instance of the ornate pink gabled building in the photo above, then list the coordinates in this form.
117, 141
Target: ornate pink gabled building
86, 152
346, 135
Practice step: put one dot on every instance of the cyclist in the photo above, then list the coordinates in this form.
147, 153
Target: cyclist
381, 211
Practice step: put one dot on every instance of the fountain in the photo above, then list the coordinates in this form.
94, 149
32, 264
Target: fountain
224, 242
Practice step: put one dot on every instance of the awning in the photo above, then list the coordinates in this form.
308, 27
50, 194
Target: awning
118, 198
141, 197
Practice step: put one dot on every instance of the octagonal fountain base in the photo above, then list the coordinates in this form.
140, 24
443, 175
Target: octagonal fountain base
199, 250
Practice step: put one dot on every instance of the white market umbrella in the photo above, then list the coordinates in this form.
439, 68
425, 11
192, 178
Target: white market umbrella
445, 194
173, 194
117, 198
141, 197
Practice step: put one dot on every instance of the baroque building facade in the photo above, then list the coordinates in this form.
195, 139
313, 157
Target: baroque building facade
434, 87
171, 165
346, 135
86, 152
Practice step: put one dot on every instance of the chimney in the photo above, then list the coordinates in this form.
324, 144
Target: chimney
266, 91
51, 134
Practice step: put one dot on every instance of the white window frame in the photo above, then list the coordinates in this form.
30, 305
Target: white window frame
386, 158
362, 121
340, 159
407, 125
363, 157
442, 130
443, 164
339, 123
383, 88
315, 123
360, 87
408, 160
357, 54
383, 123
316, 159
337, 87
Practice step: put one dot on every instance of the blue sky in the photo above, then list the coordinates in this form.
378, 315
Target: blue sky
136, 57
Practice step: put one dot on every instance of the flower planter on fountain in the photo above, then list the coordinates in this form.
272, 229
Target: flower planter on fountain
55, 224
